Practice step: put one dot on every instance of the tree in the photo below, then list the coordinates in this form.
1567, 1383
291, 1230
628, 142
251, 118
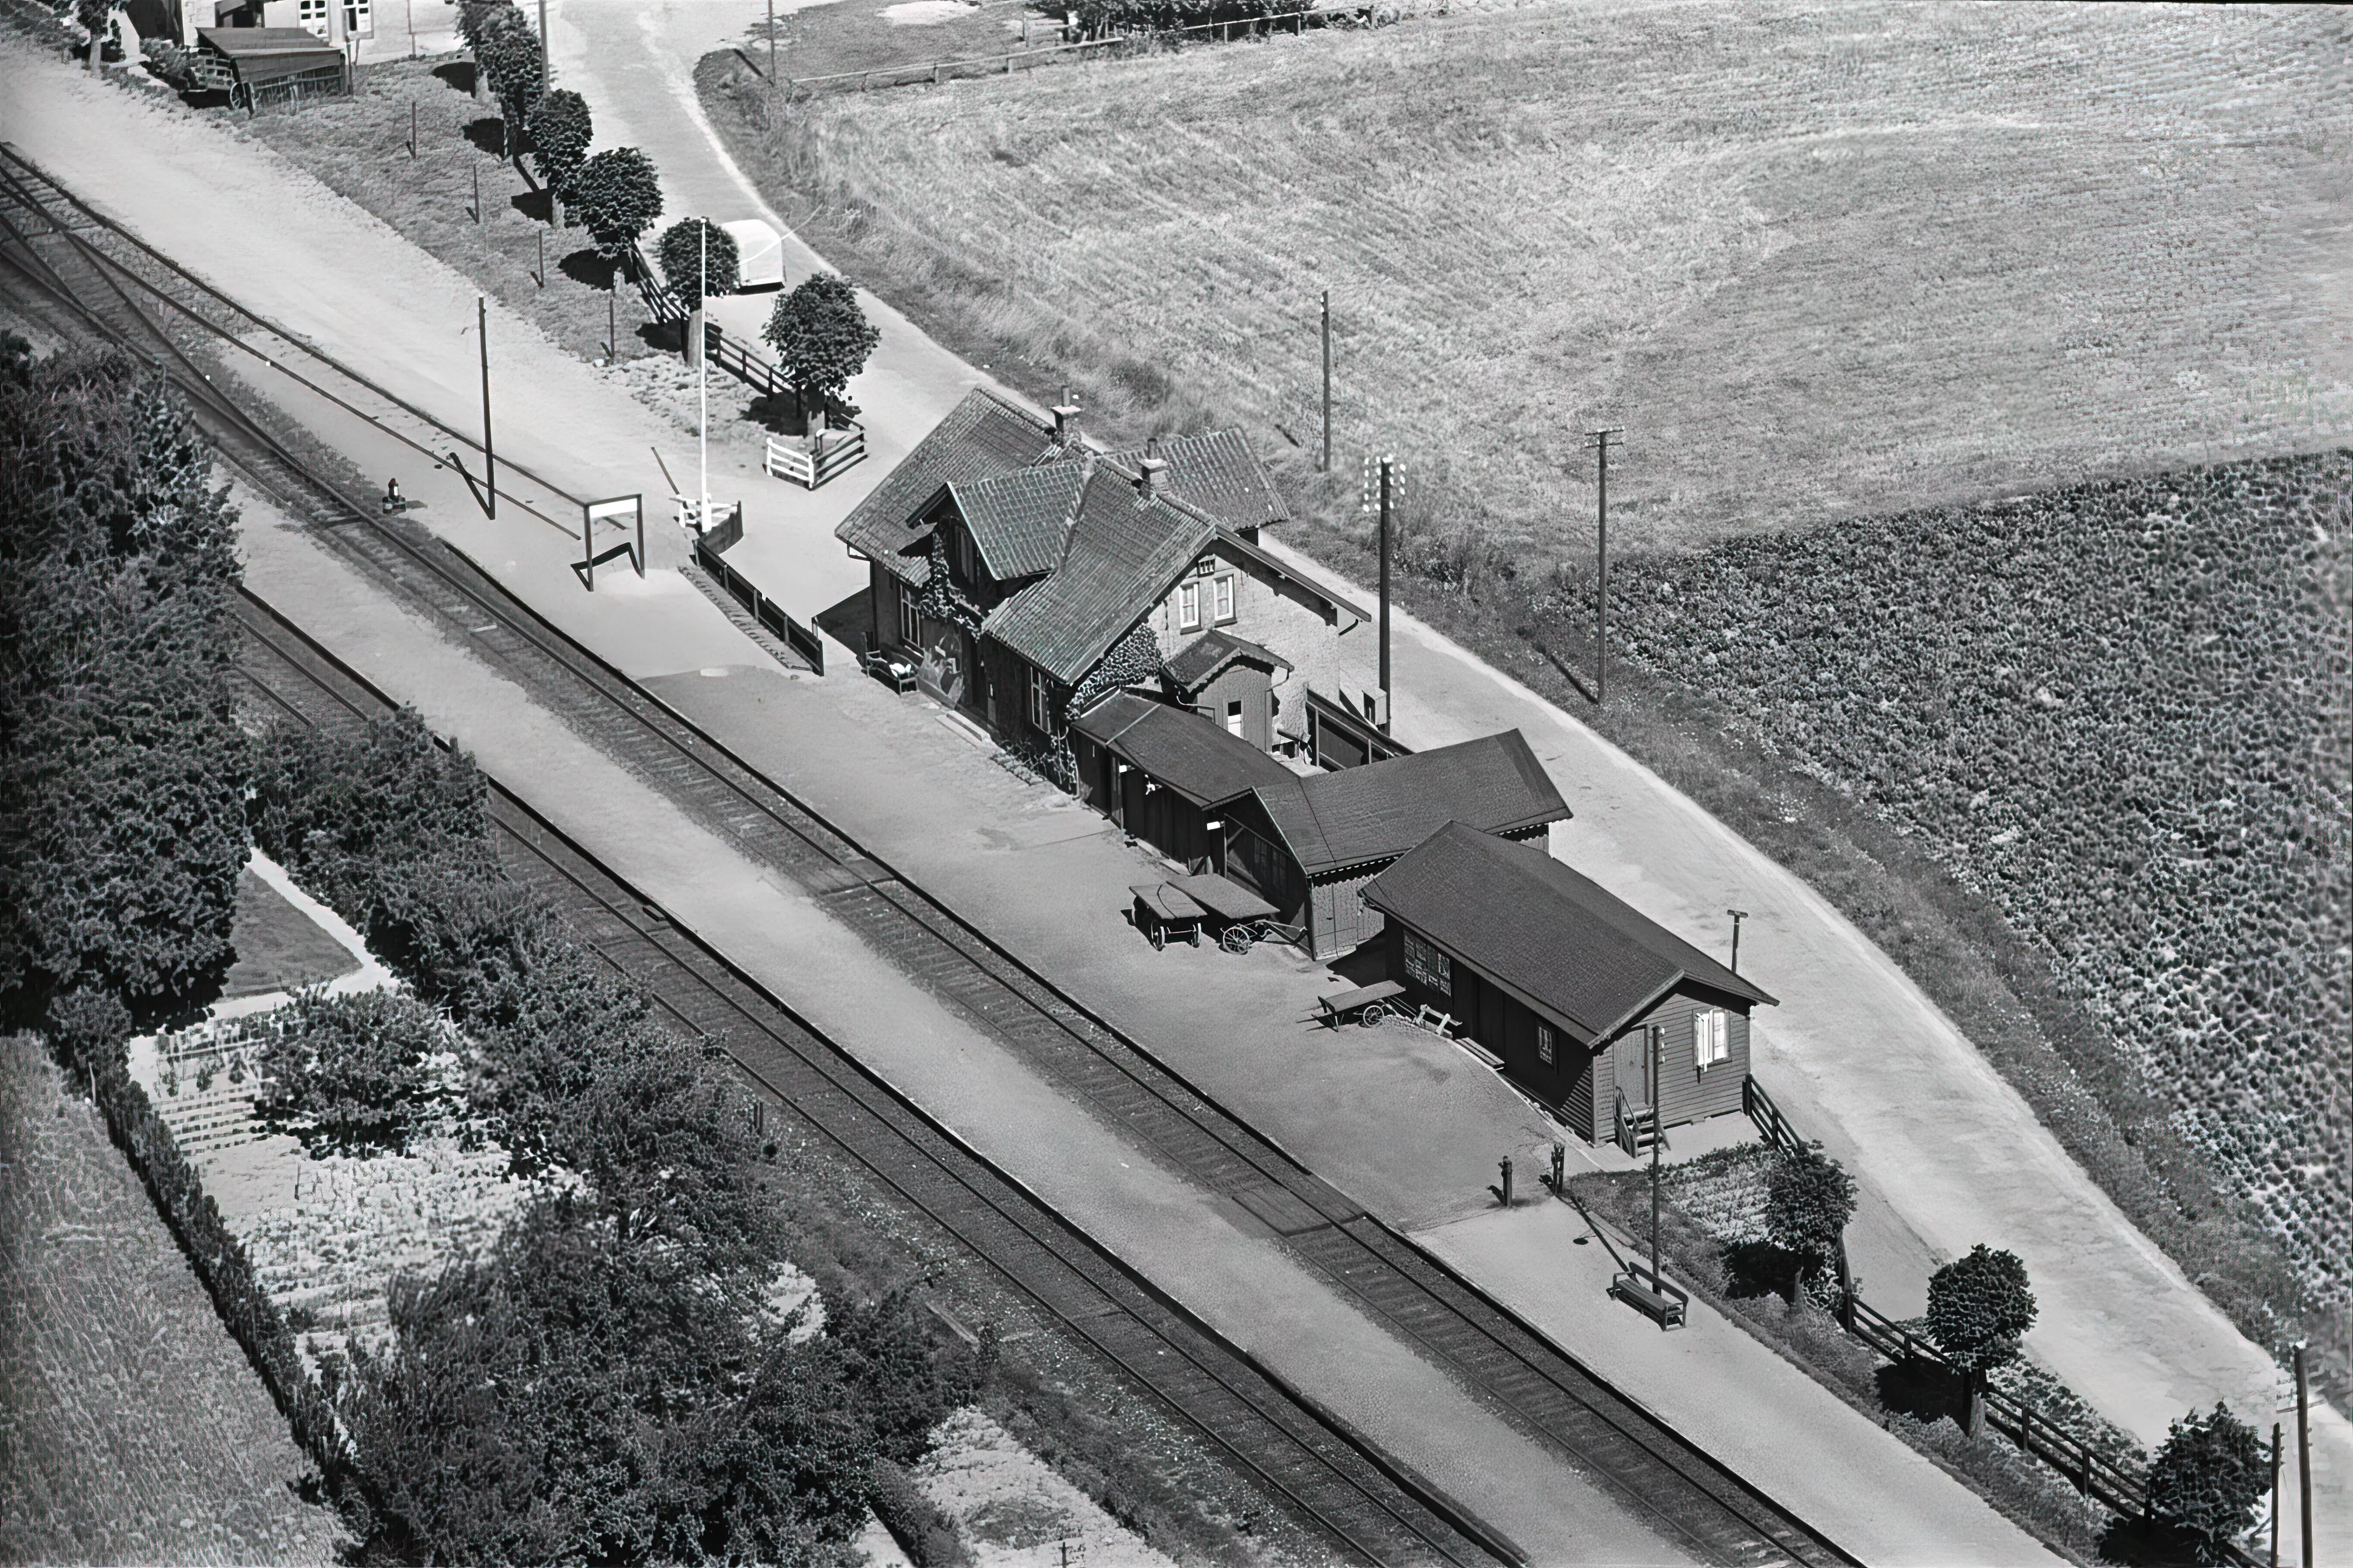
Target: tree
2207, 1480
97, 17
473, 17
1809, 1200
510, 52
348, 1074
822, 337
122, 769
1978, 1308
698, 257
617, 195
559, 133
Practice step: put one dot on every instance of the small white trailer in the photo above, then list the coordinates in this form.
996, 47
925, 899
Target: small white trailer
759, 254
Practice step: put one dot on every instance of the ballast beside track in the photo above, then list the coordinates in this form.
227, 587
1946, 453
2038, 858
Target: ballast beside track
108, 277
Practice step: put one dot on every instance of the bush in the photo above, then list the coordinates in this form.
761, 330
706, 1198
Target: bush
2207, 1478
698, 258
1979, 1306
617, 196
169, 62
349, 1074
1809, 1200
508, 51
821, 336
561, 130
122, 767
2118, 711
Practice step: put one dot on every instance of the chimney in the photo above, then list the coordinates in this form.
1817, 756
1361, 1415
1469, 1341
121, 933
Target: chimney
1066, 420
1153, 472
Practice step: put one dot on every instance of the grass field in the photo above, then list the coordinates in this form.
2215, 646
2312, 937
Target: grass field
277, 946
132, 1428
1816, 264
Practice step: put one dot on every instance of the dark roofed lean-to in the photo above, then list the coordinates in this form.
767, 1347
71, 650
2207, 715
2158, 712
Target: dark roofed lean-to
1176, 747
1362, 815
1513, 912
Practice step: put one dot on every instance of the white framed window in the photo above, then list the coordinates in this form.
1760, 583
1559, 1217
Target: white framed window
1711, 1037
1234, 717
1041, 700
1222, 596
313, 13
1425, 965
1546, 1045
359, 18
911, 619
1188, 607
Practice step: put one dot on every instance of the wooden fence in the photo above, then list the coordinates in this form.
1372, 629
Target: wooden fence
2093, 1473
803, 640
790, 457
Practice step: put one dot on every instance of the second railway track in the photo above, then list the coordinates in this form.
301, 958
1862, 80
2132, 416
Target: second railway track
1685, 1495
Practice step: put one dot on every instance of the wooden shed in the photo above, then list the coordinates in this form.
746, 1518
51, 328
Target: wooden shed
1162, 773
258, 67
1308, 844
1565, 982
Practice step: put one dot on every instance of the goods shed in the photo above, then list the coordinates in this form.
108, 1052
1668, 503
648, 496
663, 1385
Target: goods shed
1309, 844
1162, 773
258, 67
1565, 981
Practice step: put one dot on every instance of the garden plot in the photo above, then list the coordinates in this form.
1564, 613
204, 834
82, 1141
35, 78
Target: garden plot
1015, 1512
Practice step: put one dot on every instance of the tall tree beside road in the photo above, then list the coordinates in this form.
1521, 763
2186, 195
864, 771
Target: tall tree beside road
510, 52
698, 258
1978, 1308
560, 132
822, 337
617, 195
122, 769
1808, 1201
2207, 1480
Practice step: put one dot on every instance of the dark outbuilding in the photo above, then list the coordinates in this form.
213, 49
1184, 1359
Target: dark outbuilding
259, 65
1161, 772
1563, 981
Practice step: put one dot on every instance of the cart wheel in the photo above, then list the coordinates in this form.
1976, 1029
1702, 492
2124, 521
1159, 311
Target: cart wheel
1159, 939
1372, 1016
1236, 938
1193, 937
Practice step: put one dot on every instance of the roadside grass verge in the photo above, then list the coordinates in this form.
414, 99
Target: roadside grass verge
358, 148
136, 1430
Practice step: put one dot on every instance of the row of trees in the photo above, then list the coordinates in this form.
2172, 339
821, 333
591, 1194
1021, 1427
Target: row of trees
2206, 1481
609, 1384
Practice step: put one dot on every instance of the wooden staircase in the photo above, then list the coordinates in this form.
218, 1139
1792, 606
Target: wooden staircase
1637, 1128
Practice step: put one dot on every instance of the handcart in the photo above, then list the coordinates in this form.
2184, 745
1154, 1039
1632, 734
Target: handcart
1240, 917
1163, 911
1367, 1003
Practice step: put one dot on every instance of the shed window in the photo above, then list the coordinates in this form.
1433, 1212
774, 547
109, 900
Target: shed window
1234, 717
1041, 700
313, 13
1188, 607
1544, 1043
1711, 1037
1221, 596
1425, 965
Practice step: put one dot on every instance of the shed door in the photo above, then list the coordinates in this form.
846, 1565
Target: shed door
1632, 1052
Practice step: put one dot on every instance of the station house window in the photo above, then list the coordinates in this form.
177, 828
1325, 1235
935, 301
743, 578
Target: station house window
1711, 1037
1041, 700
1188, 607
1428, 967
1221, 597
1545, 1047
911, 620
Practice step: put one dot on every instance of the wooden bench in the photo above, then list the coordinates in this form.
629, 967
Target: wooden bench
1663, 1303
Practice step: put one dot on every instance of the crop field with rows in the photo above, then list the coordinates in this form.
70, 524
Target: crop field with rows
1822, 263
2118, 710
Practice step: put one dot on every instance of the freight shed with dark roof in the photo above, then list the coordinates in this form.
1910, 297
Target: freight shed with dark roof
1565, 981
1308, 844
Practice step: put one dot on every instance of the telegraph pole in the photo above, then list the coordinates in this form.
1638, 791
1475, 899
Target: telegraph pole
1328, 381
1384, 595
2303, 1455
490, 456
2276, 1479
1657, 1042
772, 49
546, 62
1737, 916
1600, 439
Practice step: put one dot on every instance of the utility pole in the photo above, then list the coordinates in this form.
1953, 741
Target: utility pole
1657, 1042
546, 61
489, 455
772, 49
2303, 1455
1328, 381
1600, 439
2276, 1479
702, 380
1385, 594
1737, 916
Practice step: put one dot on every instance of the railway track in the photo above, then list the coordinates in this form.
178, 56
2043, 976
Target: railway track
1685, 1494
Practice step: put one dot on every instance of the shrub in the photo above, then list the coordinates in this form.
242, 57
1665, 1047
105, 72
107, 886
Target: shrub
821, 336
2207, 1478
169, 62
508, 50
561, 130
348, 1074
122, 767
617, 196
1809, 1200
1979, 1306
698, 258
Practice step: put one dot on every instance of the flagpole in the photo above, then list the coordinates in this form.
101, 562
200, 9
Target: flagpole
702, 379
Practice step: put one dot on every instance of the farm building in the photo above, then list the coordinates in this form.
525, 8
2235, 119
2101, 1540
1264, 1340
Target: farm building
1565, 983
1308, 844
1027, 574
